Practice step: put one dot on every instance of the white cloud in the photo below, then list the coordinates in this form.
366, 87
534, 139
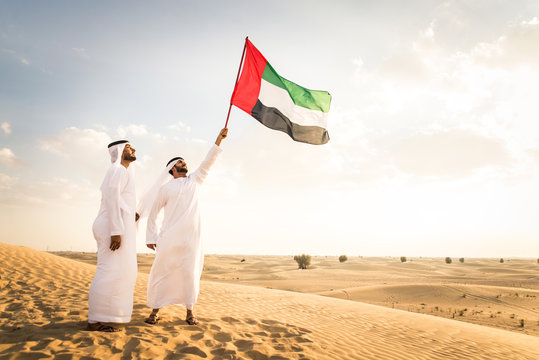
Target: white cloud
53, 192
7, 181
9, 160
515, 48
101, 127
80, 52
448, 153
85, 151
17, 56
534, 154
6, 127
533, 21
429, 32
180, 126
131, 129
80, 150
75, 142
424, 94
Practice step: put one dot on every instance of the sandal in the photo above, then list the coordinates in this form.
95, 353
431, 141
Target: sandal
152, 319
191, 320
102, 328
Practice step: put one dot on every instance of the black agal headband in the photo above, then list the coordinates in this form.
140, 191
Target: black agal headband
174, 159
117, 143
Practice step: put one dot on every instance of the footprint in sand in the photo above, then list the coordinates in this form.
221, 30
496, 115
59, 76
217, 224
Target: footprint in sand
230, 320
244, 345
224, 353
197, 336
222, 337
192, 350
251, 321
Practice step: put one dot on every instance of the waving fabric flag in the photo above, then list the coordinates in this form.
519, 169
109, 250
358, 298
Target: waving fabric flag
279, 103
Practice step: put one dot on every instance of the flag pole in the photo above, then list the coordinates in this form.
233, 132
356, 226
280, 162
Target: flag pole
237, 77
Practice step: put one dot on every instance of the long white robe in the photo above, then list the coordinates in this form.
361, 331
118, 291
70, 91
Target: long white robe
176, 270
111, 292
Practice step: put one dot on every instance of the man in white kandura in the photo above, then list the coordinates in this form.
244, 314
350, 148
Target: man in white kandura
111, 292
176, 270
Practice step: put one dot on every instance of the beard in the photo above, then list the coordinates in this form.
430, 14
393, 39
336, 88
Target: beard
129, 157
181, 169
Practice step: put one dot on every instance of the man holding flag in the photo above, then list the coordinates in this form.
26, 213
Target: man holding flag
276, 103
175, 274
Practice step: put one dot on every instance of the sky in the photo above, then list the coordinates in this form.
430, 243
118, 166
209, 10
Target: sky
434, 131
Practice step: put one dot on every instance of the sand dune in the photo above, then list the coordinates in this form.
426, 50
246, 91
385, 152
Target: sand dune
480, 291
44, 307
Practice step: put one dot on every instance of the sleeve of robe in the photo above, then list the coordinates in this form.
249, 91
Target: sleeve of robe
111, 195
200, 174
151, 229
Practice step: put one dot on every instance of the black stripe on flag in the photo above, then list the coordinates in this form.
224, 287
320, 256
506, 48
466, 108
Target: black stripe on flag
274, 119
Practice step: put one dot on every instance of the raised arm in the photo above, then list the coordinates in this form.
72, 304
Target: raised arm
200, 174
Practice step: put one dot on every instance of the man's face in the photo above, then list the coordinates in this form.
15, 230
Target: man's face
129, 153
181, 166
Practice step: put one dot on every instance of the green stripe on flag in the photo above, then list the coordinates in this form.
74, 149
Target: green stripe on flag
310, 99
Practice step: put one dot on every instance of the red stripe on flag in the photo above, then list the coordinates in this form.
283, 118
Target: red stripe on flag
247, 89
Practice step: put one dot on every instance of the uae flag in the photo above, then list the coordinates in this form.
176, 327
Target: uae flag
279, 103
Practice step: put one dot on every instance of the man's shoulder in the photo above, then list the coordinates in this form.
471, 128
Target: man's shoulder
115, 171
169, 185
175, 185
117, 167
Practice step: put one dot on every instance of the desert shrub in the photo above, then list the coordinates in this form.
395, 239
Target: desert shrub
538, 260
461, 260
448, 260
343, 258
303, 261
501, 260
521, 322
403, 258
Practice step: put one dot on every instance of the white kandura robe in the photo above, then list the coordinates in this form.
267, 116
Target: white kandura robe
111, 292
176, 270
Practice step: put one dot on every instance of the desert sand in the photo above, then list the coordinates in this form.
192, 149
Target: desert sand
481, 291
44, 307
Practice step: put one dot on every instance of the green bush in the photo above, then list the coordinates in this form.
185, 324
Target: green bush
501, 260
461, 260
303, 261
448, 260
343, 258
403, 258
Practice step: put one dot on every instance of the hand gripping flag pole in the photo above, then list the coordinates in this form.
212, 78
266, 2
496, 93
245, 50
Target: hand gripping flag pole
236, 83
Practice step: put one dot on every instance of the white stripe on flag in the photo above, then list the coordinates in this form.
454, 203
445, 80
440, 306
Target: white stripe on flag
273, 96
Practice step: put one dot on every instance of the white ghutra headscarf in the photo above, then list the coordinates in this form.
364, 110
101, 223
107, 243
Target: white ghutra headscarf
146, 202
116, 149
